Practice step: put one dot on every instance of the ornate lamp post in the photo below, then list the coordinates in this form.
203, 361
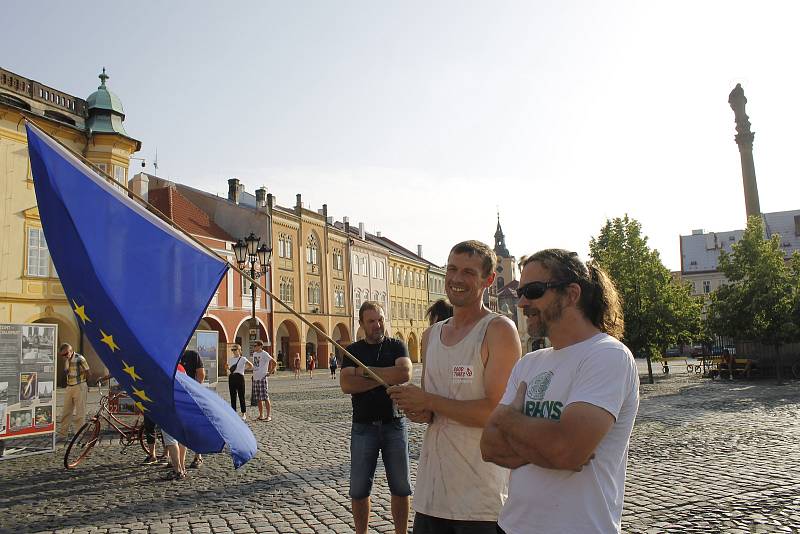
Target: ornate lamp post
247, 252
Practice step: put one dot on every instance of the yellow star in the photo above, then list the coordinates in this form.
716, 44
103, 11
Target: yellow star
109, 340
130, 370
140, 406
142, 395
81, 312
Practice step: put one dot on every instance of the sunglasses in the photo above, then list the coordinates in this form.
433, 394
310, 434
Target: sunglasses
535, 290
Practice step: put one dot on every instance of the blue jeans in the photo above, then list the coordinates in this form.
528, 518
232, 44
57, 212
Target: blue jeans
391, 440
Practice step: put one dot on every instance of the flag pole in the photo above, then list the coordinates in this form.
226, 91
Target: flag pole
155, 211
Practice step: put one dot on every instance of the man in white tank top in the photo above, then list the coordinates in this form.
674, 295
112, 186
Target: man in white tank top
565, 421
467, 361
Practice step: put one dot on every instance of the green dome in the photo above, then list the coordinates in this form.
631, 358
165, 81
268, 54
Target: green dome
103, 99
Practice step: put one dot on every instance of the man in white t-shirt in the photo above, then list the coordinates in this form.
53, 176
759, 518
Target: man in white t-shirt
264, 365
565, 421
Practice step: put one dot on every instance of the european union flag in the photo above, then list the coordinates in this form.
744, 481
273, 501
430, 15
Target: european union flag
139, 288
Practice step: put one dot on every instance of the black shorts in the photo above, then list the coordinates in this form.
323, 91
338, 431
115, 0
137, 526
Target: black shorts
426, 524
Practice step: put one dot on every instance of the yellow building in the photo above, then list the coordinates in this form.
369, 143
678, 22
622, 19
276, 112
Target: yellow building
408, 294
29, 287
310, 272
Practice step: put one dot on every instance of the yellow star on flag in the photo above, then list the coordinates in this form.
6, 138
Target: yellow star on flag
109, 340
141, 407
80, 311
142, 395
130, 370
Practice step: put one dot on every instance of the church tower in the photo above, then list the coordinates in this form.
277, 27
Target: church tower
506, 263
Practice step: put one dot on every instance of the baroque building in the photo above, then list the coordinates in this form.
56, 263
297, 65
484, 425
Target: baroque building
93, 128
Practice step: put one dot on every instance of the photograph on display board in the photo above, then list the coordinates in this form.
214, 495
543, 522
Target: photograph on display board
20, 420
3, 408
28, 388
37, 344
45, 391
43, 416
3, 392
207, 349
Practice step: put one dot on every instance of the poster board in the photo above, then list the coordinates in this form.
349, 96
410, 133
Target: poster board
206, 343
27, 389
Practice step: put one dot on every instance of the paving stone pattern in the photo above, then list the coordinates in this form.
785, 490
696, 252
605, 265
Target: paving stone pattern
705, 457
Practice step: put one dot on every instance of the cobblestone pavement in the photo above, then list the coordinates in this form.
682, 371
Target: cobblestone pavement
705, 457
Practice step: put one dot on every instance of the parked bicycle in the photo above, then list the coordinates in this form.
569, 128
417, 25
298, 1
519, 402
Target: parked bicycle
88, 435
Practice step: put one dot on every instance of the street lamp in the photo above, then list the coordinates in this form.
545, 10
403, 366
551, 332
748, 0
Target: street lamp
247, 252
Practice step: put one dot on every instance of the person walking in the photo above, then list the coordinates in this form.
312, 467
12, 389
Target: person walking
77, 371
310, 364
237, 364
332, 364
297, 366
565, 421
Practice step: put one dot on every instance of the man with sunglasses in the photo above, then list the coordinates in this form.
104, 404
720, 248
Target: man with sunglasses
467, 361
565, 421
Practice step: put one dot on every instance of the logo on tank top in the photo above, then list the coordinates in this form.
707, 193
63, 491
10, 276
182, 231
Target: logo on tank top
463, 374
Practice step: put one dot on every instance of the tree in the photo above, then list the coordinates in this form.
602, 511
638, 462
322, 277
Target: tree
760, 301
659, 310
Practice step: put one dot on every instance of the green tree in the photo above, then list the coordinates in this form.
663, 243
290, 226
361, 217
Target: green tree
759, 302
659, 310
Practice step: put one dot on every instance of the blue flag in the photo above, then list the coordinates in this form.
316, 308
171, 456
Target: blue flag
138, 288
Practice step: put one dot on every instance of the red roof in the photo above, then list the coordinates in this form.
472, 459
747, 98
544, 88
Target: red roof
186, 214
507, 290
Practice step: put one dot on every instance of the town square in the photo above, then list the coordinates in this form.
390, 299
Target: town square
515, 267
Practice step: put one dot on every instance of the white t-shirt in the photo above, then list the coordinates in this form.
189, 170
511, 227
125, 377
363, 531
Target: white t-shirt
599, 371
240, 362
261, 361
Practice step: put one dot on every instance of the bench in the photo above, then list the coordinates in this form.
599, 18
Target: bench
741, 366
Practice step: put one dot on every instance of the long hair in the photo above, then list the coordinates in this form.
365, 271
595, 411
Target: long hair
599, 301
439, 311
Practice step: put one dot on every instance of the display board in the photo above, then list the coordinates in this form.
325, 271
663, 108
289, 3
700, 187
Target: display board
27, 389
206, 343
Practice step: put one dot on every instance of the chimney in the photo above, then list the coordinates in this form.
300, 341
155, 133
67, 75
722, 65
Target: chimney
261, 197
346, 221
378, 233
270, 201
139, 185
325, 211
419, 250
233, 190
361, 230
329, 220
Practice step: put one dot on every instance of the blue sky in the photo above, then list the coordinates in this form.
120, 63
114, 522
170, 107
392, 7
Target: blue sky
422, 118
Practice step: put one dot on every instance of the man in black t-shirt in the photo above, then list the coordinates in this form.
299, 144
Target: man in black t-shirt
193, 364
377, 424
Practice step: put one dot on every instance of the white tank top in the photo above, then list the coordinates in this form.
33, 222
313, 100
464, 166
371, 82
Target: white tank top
453, 481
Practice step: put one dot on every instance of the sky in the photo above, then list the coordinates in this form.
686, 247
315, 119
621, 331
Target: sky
422, 119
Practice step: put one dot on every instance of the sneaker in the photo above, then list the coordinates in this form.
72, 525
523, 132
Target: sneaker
244, 417
150, 460
197, 462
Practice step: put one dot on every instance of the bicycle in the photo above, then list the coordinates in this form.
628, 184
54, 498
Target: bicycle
88, 435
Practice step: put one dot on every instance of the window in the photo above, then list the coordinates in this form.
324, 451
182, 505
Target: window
289, 247
391, 275
364, 268
119, 174
287, 289
312, 250
381, 270
354, 263
102, 167
376, 297
357, 299
38, 255
339, 297
338, 260
281, 246
416, 280
313, 293
398, 280
706, 286
374, 269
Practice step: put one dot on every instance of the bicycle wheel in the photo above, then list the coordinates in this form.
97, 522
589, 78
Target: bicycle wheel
82, 442
161, 451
